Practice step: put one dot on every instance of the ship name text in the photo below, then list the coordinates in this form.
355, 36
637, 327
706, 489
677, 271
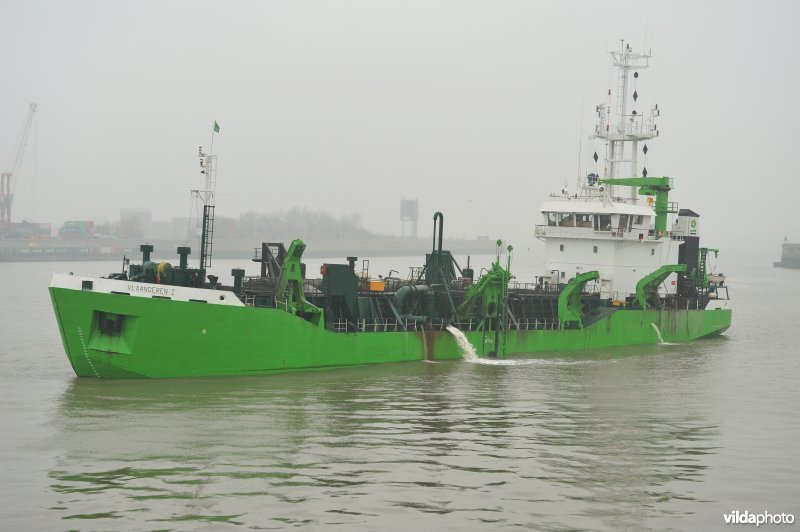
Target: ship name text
155, 290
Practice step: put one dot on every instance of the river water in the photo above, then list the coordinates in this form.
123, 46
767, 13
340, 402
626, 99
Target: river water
655, 437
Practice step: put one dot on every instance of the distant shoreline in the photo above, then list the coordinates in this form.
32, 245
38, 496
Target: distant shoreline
41, 250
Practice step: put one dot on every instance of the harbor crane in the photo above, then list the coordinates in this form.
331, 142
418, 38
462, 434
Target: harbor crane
6, 191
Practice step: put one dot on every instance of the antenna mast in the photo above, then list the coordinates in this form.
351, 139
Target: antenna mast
630, 126
208, 163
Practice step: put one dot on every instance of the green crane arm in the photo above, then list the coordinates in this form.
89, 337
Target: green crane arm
490, 290
651, 186
289, 293
647, 287
570, 309
657, 183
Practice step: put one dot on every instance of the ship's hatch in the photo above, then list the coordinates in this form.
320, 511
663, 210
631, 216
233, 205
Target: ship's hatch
110, 323
112, 333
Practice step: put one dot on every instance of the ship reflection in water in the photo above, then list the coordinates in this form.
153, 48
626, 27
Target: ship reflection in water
611, 441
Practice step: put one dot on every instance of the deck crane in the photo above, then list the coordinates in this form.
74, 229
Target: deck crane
6, 191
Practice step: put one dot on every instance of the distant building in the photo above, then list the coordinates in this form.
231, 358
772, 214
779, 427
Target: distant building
409, 214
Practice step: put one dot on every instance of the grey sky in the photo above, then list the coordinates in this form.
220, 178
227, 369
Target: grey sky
477, 108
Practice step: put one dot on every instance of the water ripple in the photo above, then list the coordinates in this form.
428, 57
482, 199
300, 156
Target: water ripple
414, 442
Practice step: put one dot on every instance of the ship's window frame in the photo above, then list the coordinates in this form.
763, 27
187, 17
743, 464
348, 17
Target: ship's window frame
566, 219
584, 219
551, 218
604, 222
624, 222
594, 249
561, 247
638, 219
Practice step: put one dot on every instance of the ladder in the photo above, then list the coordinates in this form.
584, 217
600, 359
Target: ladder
207, 236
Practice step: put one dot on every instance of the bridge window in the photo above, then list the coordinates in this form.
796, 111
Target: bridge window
623, 224
551, 218
566, 219
583, 220
603, 222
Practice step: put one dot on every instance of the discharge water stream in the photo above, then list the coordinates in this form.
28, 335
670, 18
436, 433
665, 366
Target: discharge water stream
469, 354
658, 332
467, 351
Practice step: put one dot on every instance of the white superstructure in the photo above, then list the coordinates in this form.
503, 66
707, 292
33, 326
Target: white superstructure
125, 287
615, 238
603, 227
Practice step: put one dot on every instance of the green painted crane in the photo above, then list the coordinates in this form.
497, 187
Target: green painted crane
570, 310
647, 287
701, 273
652, 186
289, 294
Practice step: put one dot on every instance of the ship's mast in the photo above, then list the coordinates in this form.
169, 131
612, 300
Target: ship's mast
208, 163
630, 127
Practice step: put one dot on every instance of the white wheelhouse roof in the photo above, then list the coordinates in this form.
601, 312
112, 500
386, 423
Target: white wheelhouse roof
595, 207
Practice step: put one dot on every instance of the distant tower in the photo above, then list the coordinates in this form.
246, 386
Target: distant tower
6, 190
409, 212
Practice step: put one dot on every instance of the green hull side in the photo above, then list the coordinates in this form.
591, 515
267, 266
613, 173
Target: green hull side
162, 338
625, 327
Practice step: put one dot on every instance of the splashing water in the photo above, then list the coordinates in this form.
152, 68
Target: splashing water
467, 351
658, 332
469, 354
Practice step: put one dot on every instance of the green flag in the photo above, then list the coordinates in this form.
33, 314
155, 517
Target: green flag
216, 127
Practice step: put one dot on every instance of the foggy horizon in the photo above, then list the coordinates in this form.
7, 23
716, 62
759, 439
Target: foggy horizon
478, 109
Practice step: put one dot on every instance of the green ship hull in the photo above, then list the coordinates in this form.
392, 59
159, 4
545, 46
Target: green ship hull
617, 271
165, 338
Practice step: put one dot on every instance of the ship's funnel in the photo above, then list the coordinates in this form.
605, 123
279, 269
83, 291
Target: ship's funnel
146, 249
238, 275
184, 252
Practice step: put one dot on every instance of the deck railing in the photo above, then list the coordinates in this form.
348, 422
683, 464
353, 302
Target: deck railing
591, 233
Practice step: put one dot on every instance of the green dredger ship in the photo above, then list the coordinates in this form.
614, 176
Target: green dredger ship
137, 327
615, 274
